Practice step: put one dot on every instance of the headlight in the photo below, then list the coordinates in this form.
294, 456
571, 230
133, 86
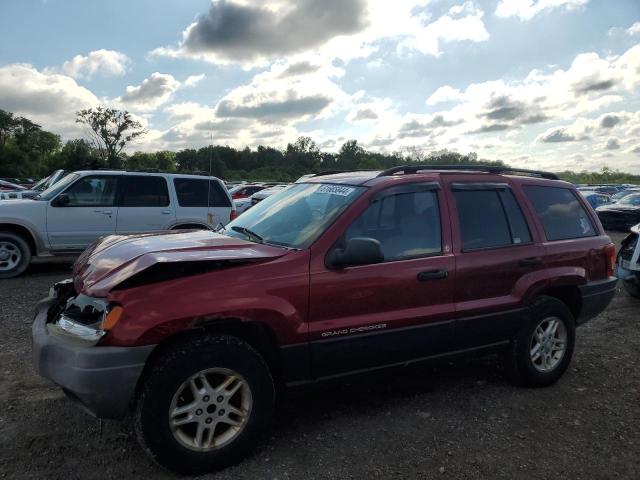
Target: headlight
86, 318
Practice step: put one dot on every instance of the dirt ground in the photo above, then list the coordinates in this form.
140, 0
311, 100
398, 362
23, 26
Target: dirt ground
457, 420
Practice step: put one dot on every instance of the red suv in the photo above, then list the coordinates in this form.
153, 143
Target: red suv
192, 332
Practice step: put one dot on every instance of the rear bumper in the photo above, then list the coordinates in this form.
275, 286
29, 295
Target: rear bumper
596, 296
101, 380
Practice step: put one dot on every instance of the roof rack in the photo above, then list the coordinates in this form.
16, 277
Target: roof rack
330, 172
468, 168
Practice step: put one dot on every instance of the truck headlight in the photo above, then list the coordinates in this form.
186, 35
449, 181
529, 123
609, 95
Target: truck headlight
86, 318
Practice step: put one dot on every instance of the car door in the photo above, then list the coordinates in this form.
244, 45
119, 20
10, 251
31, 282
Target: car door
89, 213
495, 251
367, 316
144, 204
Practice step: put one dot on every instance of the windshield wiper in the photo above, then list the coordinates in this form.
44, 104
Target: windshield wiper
252, 235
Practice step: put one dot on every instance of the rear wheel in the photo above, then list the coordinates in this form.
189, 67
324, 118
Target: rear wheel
205, 404
15, 255
542, 350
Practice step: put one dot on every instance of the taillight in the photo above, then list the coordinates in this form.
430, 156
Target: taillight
233, 215
610, 254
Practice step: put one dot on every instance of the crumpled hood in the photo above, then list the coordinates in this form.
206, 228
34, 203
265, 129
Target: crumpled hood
113, 259
614, 207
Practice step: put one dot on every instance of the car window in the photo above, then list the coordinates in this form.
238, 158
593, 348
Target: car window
92, 191
406, 225
562, 215
192, 192
143, 191
489, 219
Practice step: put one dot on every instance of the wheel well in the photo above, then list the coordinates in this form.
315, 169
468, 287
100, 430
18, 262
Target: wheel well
23, 232
569, 295
190, 226
256, 334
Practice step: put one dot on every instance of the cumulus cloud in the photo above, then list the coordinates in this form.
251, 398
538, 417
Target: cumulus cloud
50, 99
151, 93
193, 80
233, 31
557, 135
527, 9
633, 29
609, 121
445, 93
612, 144
99, 62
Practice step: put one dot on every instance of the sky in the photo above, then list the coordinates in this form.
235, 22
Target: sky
550, 84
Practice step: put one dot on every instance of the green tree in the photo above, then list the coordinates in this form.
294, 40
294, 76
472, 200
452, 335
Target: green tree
110, 130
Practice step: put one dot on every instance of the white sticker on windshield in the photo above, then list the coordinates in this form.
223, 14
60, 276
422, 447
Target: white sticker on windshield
336, 190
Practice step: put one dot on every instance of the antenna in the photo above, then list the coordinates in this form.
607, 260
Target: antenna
209, 214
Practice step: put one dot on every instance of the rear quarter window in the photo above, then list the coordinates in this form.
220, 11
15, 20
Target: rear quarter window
192, 192
562, 215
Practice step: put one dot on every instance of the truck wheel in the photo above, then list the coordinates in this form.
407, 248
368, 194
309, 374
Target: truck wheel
632, 287
205, 404
541, 351
15, 255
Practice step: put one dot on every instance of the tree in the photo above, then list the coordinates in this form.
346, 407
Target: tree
110, 131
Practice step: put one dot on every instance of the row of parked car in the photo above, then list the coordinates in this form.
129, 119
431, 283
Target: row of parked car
617, 206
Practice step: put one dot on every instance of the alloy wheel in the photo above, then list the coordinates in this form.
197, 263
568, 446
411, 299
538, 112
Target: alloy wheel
10, 256
548, 344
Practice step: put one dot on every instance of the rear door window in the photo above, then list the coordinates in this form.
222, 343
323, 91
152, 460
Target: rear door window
143, 191
490, 218
562, 215
192, 192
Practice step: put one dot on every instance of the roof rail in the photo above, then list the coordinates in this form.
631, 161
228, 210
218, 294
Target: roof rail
468, 168
330, 172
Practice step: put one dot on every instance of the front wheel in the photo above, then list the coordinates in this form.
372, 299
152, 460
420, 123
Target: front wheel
15, 255
205, 404
542, 349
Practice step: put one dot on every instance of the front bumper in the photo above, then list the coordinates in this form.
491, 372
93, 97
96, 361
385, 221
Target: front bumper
102, 380
596, 296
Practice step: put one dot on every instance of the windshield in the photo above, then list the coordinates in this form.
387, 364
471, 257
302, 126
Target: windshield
630, 200
57, 187
295, 216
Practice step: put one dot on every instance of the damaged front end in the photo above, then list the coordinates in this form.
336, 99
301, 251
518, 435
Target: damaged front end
79, 317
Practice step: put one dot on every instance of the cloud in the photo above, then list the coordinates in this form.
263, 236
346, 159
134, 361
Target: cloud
462, 23
290, 106
102, 62
445, 93
527, 9
299, 68
612, 144
151, 93
557, 135
251, 31
609, 121
365, 114
193, 80
633, 29
49, 99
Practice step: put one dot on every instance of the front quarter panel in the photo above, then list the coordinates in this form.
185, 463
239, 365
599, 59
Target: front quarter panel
274, 292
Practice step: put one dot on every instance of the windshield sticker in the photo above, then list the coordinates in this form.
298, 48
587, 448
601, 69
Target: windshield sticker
336, 190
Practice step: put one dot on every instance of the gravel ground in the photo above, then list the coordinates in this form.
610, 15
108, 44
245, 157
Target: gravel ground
455, 420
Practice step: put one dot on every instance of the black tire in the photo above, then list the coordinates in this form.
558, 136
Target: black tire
21, 247
168, 373
518, 362
632, 287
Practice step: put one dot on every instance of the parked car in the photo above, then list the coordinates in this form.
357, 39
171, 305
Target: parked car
621, 215
616, 197
245, 191
12, 191
596, 199
628, 262
192, 335
267, 192
87, 205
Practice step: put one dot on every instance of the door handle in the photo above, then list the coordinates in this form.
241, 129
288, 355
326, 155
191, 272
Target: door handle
530, 262
107, 212
166, 212
433, 275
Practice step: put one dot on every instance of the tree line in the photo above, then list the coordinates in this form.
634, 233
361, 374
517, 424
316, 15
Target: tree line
28, 151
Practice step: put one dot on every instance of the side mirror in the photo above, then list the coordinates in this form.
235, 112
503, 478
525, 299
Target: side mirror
61, 200
359, 251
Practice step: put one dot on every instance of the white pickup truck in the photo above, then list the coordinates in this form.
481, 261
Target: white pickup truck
87, 205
